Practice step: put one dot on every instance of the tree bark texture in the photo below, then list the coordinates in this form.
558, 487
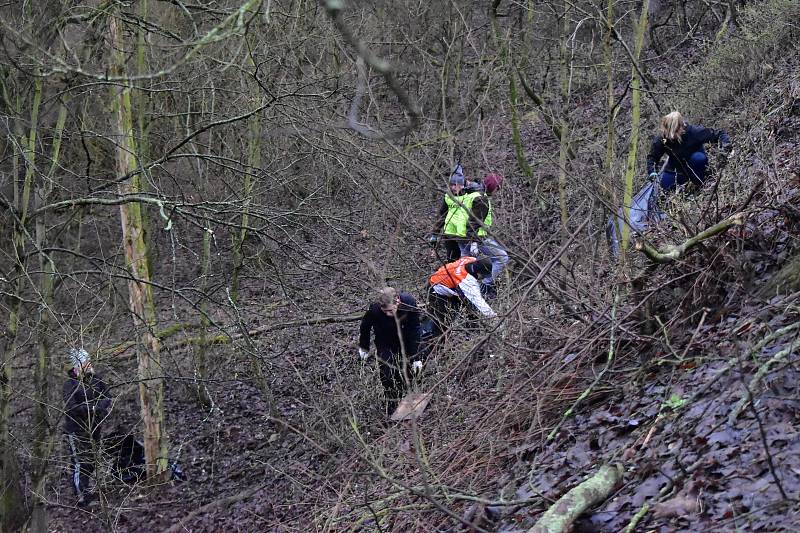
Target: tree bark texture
630, 169
570, 506
142, 307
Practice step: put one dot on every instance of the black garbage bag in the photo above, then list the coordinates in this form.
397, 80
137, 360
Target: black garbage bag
127, 458
644, 211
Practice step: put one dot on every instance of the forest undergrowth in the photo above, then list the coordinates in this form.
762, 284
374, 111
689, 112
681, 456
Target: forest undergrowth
682, 377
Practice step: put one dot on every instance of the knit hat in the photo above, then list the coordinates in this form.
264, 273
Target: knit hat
79, 357
492, 182
457, 177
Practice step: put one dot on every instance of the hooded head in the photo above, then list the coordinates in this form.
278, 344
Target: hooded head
80, 360
492, 182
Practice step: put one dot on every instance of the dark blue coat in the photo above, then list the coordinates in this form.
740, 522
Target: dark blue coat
691, 141
387, 341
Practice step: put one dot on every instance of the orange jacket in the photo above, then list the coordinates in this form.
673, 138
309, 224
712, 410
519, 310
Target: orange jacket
451, 274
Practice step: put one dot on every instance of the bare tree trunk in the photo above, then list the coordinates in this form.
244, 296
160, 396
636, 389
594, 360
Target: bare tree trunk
151, 384
608, 50
253, 167
508, 64
630, 169
43, 440
12, 505
201, 366
566, 68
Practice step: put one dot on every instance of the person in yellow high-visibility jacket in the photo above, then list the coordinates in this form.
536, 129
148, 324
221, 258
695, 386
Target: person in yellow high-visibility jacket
451, 224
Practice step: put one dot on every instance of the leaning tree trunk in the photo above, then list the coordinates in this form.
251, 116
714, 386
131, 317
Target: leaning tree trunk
151, 381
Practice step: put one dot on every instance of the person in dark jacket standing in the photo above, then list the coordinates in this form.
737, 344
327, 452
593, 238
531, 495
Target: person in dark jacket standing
683, 144
86, 406
394, 319
480, 221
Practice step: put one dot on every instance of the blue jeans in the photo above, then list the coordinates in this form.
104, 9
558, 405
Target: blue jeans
491, 249
697, 164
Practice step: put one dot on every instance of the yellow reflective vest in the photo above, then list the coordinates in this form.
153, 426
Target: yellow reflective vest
458, 208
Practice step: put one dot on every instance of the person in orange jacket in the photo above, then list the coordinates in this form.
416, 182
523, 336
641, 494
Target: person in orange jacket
455, 282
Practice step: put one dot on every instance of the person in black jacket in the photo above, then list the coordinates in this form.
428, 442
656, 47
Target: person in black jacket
683, 143
395, 321
480, 241
86, 407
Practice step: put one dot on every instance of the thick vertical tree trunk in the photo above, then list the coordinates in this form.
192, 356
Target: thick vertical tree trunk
45, 434
151, 381
12, 505
630, 169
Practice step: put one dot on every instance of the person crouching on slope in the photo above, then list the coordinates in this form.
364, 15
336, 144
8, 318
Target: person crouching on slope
453, 283
394, 318
683, 144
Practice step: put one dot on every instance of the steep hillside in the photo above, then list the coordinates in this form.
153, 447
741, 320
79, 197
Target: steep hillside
287, 172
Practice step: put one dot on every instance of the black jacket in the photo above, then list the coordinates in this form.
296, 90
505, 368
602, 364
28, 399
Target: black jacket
86, 404
692, 141
480, 210
387, 341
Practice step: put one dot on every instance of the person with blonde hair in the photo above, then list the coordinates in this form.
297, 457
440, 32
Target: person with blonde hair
683, 144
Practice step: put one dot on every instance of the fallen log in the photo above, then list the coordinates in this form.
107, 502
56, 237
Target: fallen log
570, 506
673, 252
225, 338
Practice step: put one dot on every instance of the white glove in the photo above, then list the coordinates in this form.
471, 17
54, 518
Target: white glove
473, 249
416, 366
363, 354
